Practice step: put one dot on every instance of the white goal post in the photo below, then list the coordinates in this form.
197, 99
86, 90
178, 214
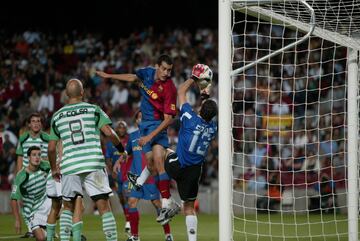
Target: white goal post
332, 21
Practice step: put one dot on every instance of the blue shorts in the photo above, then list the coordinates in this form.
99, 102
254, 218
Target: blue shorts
146, 127
147, 192
126, 189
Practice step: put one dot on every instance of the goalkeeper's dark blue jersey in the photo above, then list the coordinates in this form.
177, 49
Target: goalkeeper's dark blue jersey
194, 137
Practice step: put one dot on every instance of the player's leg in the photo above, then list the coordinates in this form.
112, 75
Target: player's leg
53, 191
39, 233
53, 216
164, 179
173, 169
38, 219
167, 231
108, 219
149, 169
71, 217
97, 186
134, 217
66, 220
122, 187
77, 226
190, 220
29, 233
188, 187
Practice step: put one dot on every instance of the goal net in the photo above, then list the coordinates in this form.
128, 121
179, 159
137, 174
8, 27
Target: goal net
290, 146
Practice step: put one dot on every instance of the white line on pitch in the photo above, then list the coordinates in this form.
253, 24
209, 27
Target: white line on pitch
7, 237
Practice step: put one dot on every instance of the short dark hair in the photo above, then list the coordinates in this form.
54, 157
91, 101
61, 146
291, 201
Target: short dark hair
32, 148
164, 58
34, 114
208, 110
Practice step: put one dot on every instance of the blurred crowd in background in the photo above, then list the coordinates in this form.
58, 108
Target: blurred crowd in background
307, 84
289, 112
35, 66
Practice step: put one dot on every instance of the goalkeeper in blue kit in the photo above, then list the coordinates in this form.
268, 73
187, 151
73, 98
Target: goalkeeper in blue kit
196, 132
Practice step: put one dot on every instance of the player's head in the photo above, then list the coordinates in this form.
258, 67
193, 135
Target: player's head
74, 89
137, 117
121, 128
34, 122
208, 109
34, 155
164, 65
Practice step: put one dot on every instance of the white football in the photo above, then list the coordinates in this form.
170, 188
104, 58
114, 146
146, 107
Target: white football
207, 74
205, 78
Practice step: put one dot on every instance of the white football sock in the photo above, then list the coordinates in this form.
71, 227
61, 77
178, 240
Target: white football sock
143, 176
191, 227
166, 203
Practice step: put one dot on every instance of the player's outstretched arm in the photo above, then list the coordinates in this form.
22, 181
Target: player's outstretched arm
123, 77
183, 88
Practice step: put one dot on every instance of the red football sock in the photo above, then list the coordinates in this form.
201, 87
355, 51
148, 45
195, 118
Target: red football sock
134, 221
126, 213
166, 228
164, 188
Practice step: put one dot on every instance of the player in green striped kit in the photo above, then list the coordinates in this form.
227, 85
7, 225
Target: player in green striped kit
30, 186
78, 125
36, 137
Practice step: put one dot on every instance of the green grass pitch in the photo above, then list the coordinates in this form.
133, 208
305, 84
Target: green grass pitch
149, 229
314, 227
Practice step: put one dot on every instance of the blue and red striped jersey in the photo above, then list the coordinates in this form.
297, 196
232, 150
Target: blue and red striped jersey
158, 97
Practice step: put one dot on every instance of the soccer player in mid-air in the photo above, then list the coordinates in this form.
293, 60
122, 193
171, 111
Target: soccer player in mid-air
158, 107
78, 125
196, 132
30, 187
148, 191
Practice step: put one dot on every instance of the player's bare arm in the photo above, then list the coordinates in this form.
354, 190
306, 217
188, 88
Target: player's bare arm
163, 125
19, 163
117, 164
52, 159
183, 88
110, 133
123, 77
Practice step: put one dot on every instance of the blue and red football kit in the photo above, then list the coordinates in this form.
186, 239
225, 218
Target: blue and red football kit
158, 98
112, 153
138, 161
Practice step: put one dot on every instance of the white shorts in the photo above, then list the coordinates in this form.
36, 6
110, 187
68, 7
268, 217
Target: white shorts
95, 183
39, 217
53, 189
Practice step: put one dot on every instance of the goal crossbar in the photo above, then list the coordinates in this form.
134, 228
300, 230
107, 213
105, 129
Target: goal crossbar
265, 14
310, 28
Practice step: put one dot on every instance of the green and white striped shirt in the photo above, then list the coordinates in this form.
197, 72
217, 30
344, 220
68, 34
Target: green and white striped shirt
26, 141
31, 188
78, 126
